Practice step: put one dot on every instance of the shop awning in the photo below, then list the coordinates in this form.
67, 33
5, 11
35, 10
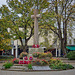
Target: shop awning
71, 48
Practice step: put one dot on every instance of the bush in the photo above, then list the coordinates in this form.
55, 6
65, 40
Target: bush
49, 54
23, 54
43, 55
71, 55
29, 66
44, 62
6, 57
8, 65
55, 61
61, 66
58, 64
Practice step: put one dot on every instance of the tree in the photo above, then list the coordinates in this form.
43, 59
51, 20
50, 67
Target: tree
63, 14
4, 36
19, 16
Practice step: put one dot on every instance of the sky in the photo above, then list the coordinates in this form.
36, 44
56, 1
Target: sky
3, 2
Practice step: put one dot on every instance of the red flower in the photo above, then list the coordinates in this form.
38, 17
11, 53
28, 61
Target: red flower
15, 59
35, 46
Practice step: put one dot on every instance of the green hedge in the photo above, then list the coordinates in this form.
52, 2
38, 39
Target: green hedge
71, 55
6, 57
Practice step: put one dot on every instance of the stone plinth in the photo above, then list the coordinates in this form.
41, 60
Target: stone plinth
32, 50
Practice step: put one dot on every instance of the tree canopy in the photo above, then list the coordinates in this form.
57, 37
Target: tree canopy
18, 17
56, 16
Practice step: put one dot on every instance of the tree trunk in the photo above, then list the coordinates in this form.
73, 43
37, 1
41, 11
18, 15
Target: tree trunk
62, 47
25, 47
65, 36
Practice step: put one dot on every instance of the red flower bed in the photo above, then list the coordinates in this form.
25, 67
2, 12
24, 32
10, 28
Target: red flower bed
24, 62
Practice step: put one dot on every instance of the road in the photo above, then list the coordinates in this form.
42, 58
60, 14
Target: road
65, 72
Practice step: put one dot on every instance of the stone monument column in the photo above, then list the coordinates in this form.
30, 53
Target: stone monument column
36, 36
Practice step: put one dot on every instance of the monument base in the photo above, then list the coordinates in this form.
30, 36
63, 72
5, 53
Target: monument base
32, 50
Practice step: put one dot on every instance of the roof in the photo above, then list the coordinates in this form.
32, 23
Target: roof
71, 48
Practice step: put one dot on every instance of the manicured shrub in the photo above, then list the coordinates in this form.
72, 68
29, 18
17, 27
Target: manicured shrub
23, 54
71, 55
8, 65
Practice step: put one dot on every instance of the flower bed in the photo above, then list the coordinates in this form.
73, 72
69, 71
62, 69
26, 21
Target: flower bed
58, 64
53, 63
42, 55
40, 62
23, 54
15, 60
36, 54
24, 62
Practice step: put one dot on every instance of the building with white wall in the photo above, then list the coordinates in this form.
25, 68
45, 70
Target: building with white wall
71, 39
51, 36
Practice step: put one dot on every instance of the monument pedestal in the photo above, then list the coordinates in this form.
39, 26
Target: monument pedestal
32, 50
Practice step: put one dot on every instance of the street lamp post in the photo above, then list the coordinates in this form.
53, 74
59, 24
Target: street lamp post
17, 49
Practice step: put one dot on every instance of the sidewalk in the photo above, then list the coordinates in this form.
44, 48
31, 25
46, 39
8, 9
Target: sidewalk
1, 64
64, 72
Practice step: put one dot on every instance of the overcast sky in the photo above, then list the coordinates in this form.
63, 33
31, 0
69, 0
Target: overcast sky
2, 2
